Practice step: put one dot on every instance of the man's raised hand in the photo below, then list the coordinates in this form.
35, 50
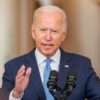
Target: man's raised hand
21, 82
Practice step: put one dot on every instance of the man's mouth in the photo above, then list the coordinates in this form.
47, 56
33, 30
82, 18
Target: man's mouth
47, 46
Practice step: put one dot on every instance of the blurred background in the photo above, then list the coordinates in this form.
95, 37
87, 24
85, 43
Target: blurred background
83, 28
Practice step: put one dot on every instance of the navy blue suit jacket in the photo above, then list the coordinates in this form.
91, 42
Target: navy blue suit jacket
87, 82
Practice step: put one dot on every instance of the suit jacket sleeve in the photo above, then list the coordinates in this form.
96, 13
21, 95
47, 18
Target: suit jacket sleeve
93, 84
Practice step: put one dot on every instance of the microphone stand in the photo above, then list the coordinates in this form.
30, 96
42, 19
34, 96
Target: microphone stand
56, 91
63, 94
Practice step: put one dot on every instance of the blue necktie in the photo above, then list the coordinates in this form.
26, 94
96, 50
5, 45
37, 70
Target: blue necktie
46, 77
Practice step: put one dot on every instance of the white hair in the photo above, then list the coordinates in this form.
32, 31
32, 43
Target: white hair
52, 9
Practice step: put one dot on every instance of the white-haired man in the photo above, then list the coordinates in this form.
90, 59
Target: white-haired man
24, 76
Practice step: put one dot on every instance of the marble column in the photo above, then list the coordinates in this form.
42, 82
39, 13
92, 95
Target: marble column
9, 30
15, 29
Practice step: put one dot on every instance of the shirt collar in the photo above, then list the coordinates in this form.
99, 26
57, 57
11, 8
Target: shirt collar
56, 56
40, 57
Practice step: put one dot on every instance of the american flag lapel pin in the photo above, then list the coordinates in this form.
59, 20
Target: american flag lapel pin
66, 66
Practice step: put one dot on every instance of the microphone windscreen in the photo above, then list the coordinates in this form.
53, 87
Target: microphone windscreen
71, 82
52, 82
53, 74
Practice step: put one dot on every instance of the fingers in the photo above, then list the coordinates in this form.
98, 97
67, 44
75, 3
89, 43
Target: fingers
21, 69
28, 72
21, 73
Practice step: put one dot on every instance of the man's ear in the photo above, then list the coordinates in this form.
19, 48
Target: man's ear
33, 32
64, 36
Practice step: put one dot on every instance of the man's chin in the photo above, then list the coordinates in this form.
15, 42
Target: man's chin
48, 53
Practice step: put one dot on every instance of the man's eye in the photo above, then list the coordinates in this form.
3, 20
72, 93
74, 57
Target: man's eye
42, 30
55, 31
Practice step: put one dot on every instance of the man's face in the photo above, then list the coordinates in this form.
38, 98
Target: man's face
48, 32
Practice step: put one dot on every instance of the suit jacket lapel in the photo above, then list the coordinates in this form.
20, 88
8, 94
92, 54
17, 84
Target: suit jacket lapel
35, 76
65, 66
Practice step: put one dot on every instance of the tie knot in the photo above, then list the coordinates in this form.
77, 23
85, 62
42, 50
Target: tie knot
48, 61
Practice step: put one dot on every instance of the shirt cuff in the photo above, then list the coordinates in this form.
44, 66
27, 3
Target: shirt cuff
13, 98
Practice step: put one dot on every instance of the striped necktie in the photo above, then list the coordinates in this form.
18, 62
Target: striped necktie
46, 77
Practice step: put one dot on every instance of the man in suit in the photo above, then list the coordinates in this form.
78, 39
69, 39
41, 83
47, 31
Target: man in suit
24, 76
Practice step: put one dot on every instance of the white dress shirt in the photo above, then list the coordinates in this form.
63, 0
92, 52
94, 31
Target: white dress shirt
41, 65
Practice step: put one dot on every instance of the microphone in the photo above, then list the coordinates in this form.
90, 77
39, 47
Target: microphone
71, 83
52, 82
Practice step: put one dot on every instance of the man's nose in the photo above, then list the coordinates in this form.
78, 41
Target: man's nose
48, 35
